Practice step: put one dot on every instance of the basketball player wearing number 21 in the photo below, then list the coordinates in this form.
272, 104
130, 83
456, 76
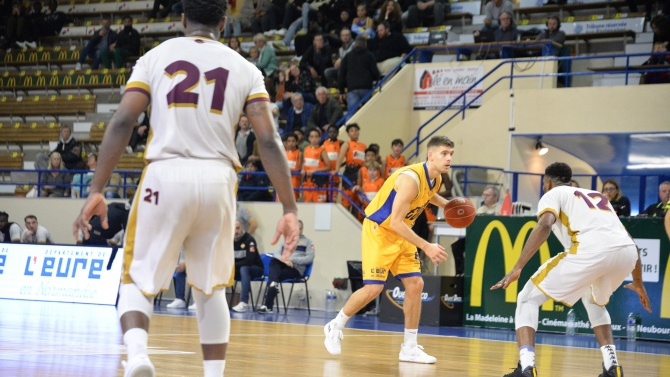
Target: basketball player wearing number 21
599, 254
197, 88
390, 245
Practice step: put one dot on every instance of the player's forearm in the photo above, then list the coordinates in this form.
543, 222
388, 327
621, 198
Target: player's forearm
537, 237
114, 142
637, 271
408, 234
438, 201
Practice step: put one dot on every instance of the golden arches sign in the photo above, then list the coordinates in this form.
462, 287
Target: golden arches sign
511, 253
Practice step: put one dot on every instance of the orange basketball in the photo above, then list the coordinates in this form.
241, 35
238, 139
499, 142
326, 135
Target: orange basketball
459, 212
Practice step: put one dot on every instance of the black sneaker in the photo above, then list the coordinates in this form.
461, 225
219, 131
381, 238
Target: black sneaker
614, 371
528, 372
264, 310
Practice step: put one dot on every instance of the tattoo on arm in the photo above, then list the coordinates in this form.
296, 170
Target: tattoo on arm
256, 109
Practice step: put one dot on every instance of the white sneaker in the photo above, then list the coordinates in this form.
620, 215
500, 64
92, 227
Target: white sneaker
77, 67
281, 32
21, 44
176, 304
192, 306
241, 307
270, 33
333, 340
139, 366
31, 44
415, 355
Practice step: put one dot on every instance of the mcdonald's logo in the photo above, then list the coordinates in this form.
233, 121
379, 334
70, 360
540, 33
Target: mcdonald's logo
41, 81
107, 79
121, 79
93, 79
67, 80
80, 80
46, 55
20, 57
28, 81
9, 58
75, 55
33, 56
53, 81
511, 253
62, 55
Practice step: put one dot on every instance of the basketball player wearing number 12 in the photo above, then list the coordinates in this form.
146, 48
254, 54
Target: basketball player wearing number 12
197, 88
390, 245
599, 254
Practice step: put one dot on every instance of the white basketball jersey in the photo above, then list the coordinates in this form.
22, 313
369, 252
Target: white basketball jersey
585, 221
198, 89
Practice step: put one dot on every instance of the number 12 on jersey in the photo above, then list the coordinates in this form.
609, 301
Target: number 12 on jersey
182, 94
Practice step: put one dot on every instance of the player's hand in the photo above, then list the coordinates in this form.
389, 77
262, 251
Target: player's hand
508, 279
638, 287
436, 253
95, 205
288, 227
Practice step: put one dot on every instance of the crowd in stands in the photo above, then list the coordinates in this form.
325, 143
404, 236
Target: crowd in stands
11, 232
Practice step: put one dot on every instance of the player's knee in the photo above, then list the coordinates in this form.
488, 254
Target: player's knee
373, 290
598, 315
413, 284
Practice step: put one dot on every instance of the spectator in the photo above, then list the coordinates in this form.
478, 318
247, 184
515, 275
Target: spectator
362, 24
178, 8
363, 176
491, 205
352, 153
69, 149
302, 143
290, 14
100, 42
248, 183
373, 181
10, 232
244, 140
493, 10
326, 112
234, 44
267, 60
52, 22
294, 157
243, 215
291, 268
180, 283
507, 31
301, 24
331, 73
332, 145
259, 21
273, 17
317, 58
167, 8
140, 134
574, 183
127, 44
395, 160
315, 160
81, 181
253, 55
552, 32
358, 72
234, 24
298, 115
117, 218
391, 13
661, 28
35, 233
661, 208
620, 203
657, 77
248, 264
57, 176
342, 21
300, 81
417, 13
16, 26
389, 48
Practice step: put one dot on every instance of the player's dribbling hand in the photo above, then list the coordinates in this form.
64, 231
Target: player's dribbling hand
638, 287
508, 279
95, 205
436, 253
288, 227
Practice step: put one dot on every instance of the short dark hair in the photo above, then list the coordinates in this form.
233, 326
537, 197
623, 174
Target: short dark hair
299, 130
128, 17
374, 146
291, 136
5, 214
559, 172
352, 125
313, 129
396, 142
360, 41
318, 35
29, 217
369, 149
386, 25
205, 12
333, 127
440, 141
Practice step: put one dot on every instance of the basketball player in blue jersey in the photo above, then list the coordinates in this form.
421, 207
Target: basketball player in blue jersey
390, 245
197, 88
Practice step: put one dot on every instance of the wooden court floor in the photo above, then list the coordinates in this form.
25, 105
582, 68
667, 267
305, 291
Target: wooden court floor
84, 340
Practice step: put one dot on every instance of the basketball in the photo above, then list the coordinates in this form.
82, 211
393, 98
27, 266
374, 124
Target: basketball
459, 212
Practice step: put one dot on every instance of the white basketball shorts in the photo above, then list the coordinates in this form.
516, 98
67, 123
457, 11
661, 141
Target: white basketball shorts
566, 277
189, 202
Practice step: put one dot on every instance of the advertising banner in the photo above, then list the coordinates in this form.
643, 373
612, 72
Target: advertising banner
596, 25
59, 273
435, 88
493, 245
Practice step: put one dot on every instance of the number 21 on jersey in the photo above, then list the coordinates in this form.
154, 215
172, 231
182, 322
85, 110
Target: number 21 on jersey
182, 94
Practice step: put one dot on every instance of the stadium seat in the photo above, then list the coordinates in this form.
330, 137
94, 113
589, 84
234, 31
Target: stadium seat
29, 133
47, 105
306, 275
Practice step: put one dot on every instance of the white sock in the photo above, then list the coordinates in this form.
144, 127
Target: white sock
341, 319
410, 337
136, 340
214, 368
526, 357
609, 355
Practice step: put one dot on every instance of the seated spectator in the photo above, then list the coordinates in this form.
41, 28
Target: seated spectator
140, 132
259, 22
317, 58
362, 24
248, 264
302, 142
282, 268
35, 233
342, 21
246, 190
299, 81
620, 203
244, 139
507, 31
660, 25
127, 44
327, 111
117, 218
300, 25
100, 42
417, 13
15, 29
657, 77
661, 208
253, 55
298, 115
389, 48
234, 24
267, 59
491, 205
10, 232
234, 44
243, 215
552, 32
81, 181
358, 73
167, 8
347, 45
391, 13
69, 149
57, 176
315, 160
179, 283
52, 21
493, 10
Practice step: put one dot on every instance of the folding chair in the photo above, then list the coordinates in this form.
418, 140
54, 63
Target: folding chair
267, 257
306, 275
251, 292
